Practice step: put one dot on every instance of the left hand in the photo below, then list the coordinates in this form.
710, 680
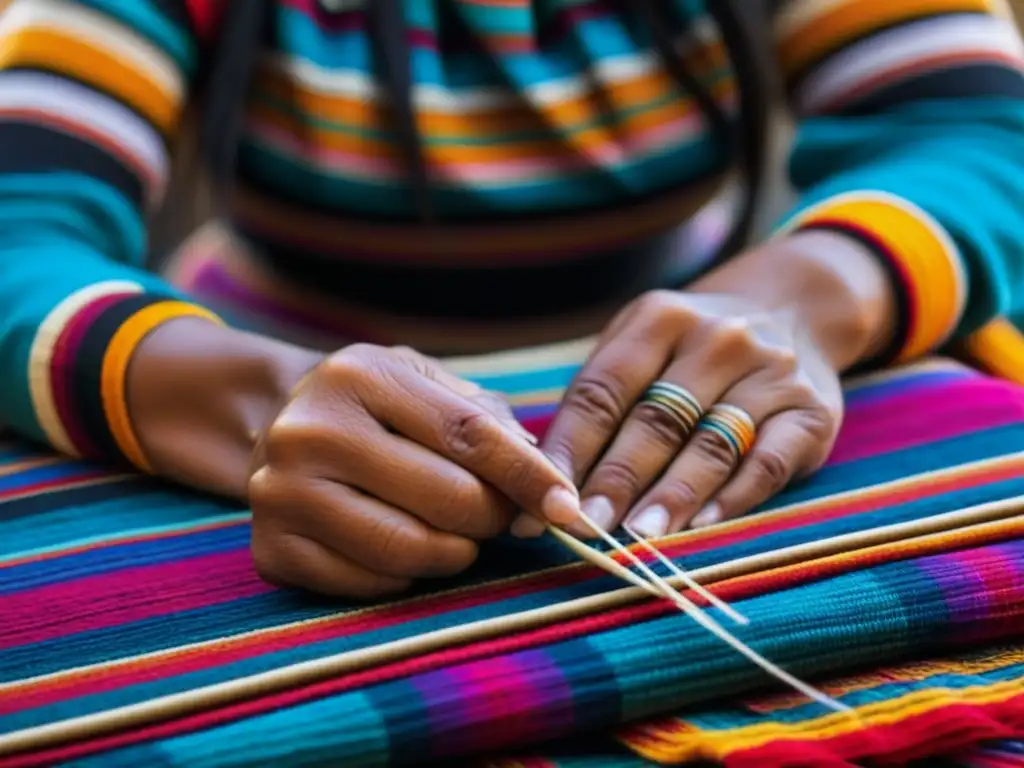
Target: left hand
638, 464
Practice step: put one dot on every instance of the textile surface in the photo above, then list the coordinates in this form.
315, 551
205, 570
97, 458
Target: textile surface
131, 615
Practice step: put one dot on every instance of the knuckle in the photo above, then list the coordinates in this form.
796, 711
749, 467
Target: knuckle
772, 468
662, 428
396, 547
820, 423
469, 435
290, 443
667, 311
521, 480
677, 494
659, 301
351, 362
619, 477
802, 394
598, 399
714, 453
784, 361
734, 336
456, 506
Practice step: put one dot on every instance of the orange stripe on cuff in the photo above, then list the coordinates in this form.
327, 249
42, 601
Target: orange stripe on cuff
921, 251
115, 368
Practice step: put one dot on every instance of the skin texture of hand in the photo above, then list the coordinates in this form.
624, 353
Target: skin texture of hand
383, 468
769, 334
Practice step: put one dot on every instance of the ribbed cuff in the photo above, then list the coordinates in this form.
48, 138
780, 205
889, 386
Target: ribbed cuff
79, 361
924, 262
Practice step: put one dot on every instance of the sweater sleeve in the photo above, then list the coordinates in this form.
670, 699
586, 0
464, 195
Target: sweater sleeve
90, 98
911, 139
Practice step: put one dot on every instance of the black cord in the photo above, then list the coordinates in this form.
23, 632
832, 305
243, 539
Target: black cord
229, 73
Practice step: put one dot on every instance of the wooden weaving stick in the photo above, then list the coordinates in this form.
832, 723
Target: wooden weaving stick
692, 610
978, 524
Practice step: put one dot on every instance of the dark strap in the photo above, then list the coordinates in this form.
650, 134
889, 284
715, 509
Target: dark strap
229, 69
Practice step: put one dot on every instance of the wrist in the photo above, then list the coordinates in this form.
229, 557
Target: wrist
199, 394
842, 295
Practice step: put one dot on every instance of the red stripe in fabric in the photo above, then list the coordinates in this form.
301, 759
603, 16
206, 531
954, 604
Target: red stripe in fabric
877, 429
118, 599
62, 364
929, 734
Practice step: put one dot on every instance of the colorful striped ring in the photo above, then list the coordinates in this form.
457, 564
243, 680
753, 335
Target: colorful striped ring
676, 401
733, 425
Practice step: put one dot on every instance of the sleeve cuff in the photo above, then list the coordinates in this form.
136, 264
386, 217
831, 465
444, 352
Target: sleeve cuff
924, 262
79, 361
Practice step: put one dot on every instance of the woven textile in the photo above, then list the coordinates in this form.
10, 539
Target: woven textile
131, 615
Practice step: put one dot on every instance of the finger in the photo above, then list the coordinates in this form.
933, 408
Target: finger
465, 432
502, 410
702, 467
387, 466
652, 436
784, 449
439, 492
492, 401
366, 531
600, 396
294, 561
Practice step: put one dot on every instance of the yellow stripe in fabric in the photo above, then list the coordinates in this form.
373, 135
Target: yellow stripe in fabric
904, 673
688, 743
115, 368
923, 252
816, 34
999, 348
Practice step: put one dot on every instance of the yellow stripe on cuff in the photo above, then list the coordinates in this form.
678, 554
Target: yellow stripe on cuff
115, 368
934, 283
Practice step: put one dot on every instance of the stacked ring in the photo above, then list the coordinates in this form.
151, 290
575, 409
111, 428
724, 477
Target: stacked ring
676, 401
733, 425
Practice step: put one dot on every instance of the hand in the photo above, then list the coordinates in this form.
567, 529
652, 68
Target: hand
637, 462
383, 468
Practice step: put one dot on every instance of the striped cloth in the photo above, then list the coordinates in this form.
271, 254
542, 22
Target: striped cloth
135, 631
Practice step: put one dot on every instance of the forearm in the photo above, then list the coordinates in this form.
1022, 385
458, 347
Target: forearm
837, 288
199, 394
911, 140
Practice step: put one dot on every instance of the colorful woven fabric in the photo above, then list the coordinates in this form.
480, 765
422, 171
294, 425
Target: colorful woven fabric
135, 631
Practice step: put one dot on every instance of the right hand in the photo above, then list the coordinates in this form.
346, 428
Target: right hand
384, 468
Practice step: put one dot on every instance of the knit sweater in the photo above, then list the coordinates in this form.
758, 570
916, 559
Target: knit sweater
555, 139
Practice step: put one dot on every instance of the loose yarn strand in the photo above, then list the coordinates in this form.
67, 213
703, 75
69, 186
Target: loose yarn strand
692, 610
686, 578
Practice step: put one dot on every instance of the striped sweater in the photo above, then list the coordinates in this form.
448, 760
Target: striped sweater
556, 142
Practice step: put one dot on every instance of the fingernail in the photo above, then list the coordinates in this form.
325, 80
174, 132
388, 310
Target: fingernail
561, 506
527, 527
600, 510
651, 522
709, 515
